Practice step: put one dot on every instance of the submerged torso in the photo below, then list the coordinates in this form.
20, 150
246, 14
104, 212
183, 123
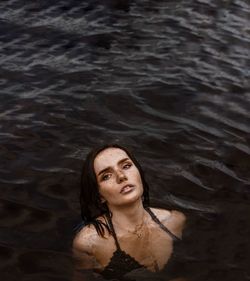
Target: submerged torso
122, 253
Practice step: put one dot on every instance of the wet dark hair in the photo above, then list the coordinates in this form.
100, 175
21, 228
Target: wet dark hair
90, 200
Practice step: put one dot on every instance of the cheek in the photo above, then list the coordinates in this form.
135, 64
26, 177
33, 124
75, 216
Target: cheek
138, 176
105, 188
100, 188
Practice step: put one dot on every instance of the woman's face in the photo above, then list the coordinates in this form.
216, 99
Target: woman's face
118, 178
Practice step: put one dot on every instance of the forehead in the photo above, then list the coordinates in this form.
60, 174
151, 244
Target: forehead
109, 157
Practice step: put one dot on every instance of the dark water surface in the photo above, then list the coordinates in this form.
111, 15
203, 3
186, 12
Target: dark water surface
170, 79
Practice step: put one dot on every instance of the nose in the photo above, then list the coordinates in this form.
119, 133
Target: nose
121, 176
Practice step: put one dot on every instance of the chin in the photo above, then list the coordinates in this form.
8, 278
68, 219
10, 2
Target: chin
134, 198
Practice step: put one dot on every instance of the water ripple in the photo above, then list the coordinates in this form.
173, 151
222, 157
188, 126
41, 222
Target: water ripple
170, 79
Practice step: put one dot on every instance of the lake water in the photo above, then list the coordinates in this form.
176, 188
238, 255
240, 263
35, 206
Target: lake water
169, 79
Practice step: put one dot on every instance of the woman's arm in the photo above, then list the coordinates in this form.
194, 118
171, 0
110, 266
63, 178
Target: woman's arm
83, 256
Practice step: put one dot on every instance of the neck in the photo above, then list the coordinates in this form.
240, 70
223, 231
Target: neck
128, 217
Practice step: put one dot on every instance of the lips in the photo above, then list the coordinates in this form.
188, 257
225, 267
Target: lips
126, 188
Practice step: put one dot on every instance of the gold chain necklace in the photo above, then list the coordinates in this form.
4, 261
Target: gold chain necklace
138, 229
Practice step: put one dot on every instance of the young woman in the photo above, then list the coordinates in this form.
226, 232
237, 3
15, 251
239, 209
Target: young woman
122, 233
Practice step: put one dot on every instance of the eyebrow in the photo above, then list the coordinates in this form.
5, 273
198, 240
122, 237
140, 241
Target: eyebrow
108, 168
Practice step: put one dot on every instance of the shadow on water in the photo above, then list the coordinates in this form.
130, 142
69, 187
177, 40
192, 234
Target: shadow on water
169, 79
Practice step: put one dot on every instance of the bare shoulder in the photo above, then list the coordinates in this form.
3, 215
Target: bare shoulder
174, 220
85, 239
83, 248
178, 217
161, 214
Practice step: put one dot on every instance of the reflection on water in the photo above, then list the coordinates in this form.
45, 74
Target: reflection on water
170, 79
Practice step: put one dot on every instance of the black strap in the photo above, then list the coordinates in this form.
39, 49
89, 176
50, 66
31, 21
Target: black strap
162, 226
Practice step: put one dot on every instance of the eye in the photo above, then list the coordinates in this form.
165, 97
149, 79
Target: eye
106, 177
127, 166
